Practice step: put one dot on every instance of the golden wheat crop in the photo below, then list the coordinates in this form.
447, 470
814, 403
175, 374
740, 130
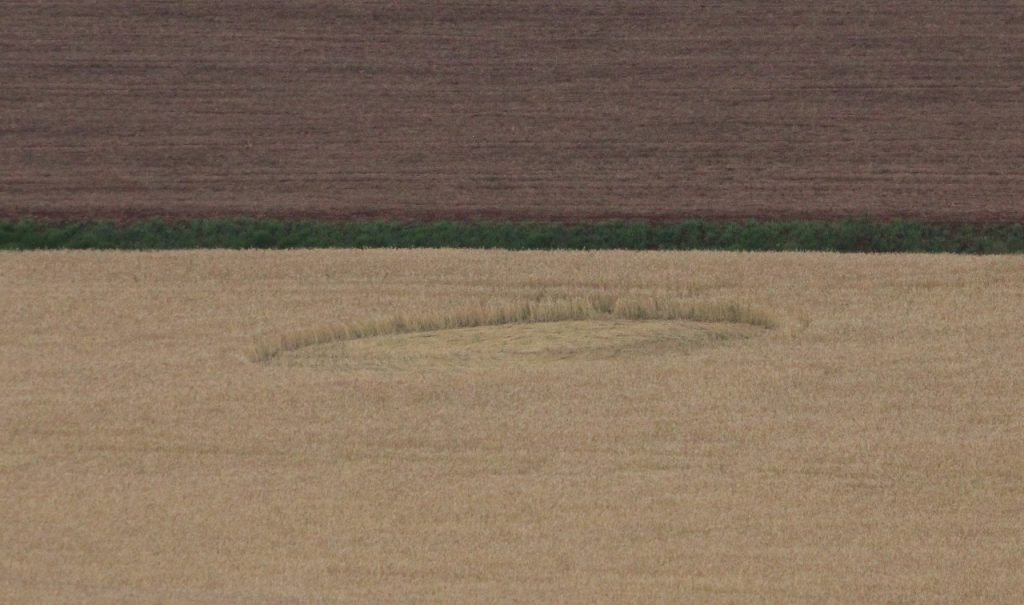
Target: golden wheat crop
534, 310
466, 426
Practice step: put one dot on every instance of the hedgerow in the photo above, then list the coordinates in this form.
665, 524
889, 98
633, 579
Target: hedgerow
840, 236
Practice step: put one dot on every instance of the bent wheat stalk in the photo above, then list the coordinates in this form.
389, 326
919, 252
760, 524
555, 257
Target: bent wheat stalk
530, 311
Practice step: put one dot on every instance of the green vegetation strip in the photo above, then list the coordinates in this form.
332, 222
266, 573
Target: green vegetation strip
842, 236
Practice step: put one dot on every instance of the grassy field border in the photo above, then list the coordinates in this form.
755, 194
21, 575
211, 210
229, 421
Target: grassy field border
839, 236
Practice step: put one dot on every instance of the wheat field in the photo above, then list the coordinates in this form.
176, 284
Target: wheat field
845, 428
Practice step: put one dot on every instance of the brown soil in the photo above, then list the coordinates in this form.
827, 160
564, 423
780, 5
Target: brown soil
575, 110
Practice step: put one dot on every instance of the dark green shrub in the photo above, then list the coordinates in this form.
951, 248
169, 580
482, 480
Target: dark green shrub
844, 236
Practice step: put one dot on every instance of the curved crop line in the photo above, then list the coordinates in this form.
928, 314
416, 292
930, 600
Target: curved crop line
532, 311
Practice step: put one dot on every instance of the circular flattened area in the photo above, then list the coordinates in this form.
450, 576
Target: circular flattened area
543, 342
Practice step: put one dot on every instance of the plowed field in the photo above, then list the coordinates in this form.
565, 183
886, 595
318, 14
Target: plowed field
574, 110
